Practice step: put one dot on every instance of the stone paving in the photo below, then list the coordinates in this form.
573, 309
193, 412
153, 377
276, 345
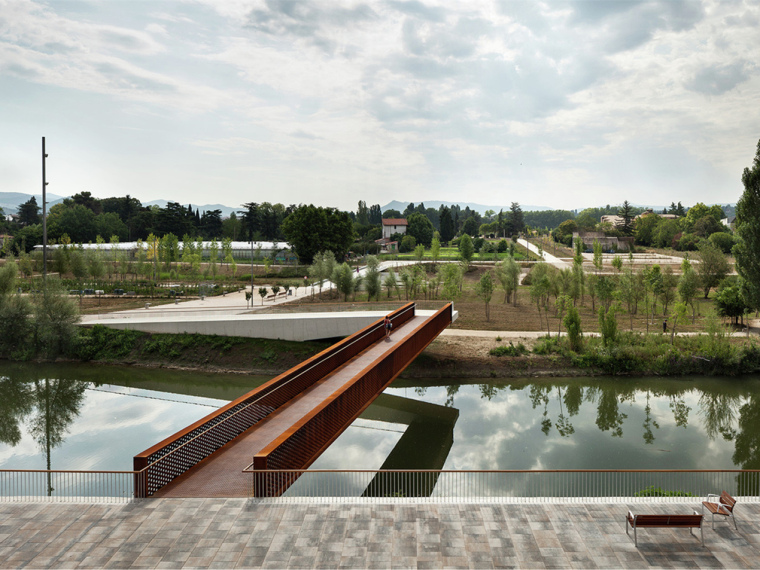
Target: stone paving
225, 533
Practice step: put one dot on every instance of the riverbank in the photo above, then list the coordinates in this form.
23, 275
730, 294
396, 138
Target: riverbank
449, 356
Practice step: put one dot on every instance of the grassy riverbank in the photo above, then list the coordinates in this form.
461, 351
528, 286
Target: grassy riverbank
449, 357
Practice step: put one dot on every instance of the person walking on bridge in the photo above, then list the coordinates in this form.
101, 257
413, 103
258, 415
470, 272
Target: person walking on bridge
388, 326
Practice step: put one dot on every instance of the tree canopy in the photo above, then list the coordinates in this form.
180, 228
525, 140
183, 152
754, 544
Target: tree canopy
747, 250
310, 229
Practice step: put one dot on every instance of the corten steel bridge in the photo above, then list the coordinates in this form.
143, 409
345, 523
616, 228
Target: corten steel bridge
289, 421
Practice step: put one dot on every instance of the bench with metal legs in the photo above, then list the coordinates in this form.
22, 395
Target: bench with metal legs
722, 505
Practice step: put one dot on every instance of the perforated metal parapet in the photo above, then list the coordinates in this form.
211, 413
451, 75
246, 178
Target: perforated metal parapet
161, 464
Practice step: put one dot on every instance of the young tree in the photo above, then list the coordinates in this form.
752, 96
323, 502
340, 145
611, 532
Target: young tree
678, 317
688, 286
372, 279
213, 256
262, 293
419, 253
627, 288
561, 304
435, 248
343, 277
390, 284
748, 231
508, 275
713, 266
573, 328
484, 290
597, 256
452, 276
466, 248
669, 284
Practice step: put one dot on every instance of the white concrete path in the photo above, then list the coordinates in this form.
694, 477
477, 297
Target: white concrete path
547, 257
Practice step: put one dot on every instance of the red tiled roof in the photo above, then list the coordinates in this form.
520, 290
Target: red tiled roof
394, 222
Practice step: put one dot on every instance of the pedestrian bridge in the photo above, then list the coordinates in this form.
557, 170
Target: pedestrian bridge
289, 421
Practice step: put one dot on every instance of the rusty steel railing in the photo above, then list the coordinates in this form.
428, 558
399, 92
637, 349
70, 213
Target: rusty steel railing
440, 486
298, 447
170, 458
26, 485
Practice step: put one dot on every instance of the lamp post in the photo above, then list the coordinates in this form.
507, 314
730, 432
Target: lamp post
44, 216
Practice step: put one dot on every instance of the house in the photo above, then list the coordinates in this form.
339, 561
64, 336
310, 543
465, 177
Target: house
609, 243
387, 246
614, 221
393, 226
730, 223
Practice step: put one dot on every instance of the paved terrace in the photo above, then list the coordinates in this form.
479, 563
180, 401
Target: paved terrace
224, 533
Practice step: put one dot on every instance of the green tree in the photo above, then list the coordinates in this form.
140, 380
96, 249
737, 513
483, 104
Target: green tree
466, 248
452, 276
55, 320
419, 253
688, 286
435, 248
343, 277
669, 284
448, 230
484, 290
626, 212
677, 317
262, 293
311, 229
419, 227
508, 275
372, 278
747, 250
515, 219
713, 266
608, 326
573, 328
391, 284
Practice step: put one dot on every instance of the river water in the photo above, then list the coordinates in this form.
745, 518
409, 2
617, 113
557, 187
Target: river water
88, 417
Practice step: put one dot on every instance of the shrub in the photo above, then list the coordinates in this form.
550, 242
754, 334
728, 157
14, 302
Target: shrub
510, 350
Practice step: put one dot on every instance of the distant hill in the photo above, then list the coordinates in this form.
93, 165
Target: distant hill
226, 210
10, 201
480, 208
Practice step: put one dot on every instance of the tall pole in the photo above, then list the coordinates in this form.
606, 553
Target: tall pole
44, 215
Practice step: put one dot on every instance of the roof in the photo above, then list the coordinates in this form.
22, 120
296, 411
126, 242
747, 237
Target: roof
394, 222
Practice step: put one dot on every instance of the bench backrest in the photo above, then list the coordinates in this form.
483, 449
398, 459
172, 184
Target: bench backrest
666, 520
727, 501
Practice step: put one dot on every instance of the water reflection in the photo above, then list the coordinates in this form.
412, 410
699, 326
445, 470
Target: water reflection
604, 423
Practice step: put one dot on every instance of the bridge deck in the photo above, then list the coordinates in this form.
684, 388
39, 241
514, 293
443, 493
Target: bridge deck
220, 474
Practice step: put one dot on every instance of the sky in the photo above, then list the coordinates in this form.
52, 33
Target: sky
560, 104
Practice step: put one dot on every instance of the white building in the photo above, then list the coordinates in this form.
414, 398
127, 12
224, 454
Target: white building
393, 226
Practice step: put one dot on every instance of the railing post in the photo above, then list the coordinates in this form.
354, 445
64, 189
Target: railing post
140, 467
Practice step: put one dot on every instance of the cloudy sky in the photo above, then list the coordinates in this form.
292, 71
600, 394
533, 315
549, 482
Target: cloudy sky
559, 103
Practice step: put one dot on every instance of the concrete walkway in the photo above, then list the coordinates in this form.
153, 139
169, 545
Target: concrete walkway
547, 257
240, 533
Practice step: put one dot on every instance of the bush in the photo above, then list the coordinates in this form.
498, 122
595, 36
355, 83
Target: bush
723, 241
510, 350
546, 346
503, 246
653, 491
477, 243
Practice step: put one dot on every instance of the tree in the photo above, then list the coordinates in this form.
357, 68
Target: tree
466, 248
515, 219
372, 278
29, 213
484, 290
419, 227
448, 230
310, 229
408, 243
343, 277
390, 283
435, 248
573, 328
713, 266
508, 275
362, 214
262, 293
470, 226
729, 300
669, 284
747, 250
688, 285
626, 212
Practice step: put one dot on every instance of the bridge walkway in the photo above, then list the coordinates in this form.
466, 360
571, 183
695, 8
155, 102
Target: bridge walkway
221, 474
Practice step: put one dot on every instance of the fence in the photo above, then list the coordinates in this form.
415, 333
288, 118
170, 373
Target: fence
500, 486
63, 486
173, 456
336, 486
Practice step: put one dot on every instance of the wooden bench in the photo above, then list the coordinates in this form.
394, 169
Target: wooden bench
723, 506
664, 521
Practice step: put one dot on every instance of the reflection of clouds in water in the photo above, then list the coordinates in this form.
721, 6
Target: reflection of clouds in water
505, 433
360, 447
109, 430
